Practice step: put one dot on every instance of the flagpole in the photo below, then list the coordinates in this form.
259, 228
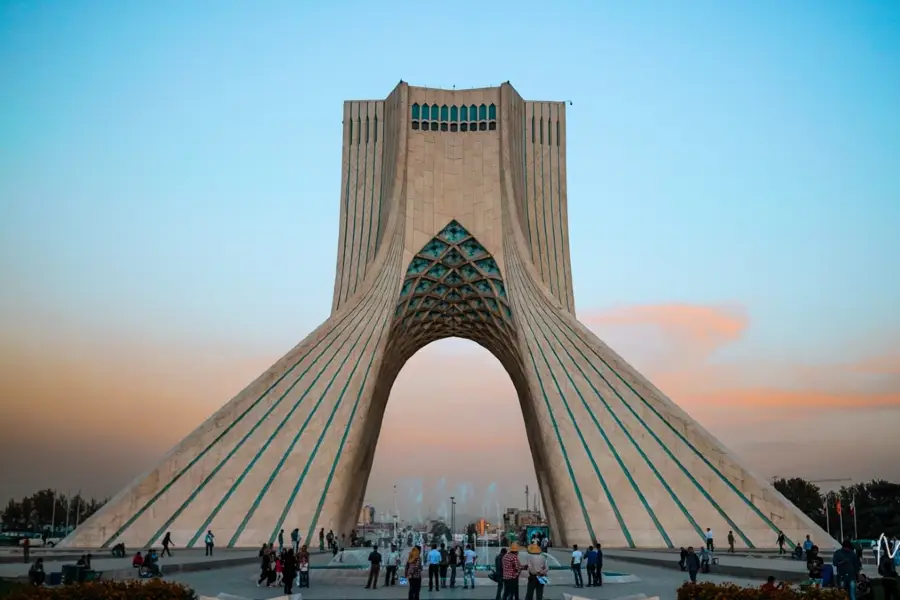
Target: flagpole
68, 512
840, 513
53, 515
827, 515
855, 530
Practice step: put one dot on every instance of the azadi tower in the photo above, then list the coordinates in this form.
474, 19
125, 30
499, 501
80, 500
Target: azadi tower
454, 223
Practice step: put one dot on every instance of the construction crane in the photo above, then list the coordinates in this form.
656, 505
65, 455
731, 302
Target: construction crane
816, 481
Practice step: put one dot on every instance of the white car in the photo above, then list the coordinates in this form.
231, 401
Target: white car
38, 542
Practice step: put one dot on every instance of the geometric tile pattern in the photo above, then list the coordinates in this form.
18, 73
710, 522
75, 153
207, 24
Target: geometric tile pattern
449, 234
453, 288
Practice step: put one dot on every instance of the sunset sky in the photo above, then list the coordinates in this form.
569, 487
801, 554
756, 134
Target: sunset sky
169, 178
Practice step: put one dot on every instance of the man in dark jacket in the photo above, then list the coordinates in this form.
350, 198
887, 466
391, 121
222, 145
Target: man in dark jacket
590, 557
374, 568
848, 566
598, 572
498, 571
693, 564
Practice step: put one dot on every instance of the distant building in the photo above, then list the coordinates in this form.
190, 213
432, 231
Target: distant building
524, 518
367, 515
516, 518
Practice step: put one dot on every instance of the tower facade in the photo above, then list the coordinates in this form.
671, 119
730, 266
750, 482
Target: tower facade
453, 224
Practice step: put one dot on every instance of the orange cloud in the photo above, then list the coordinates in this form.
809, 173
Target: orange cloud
879, 365
702, 329
453, 418
810, 420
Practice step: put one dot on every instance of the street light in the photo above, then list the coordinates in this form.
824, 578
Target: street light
452, 516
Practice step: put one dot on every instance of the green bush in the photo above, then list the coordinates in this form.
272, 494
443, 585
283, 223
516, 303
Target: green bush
729, 591
8, 587
151, 589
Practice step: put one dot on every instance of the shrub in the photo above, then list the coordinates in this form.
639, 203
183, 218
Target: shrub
729, 591
8, 587
151, 589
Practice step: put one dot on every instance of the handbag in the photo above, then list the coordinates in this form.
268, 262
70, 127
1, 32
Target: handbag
493, 575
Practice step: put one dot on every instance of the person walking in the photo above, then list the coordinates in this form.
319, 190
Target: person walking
210, 542
281, 540
781, 541
374, 568
693, 564
710, 545
848, 566
536, 566
26, 550
577, 557
598, 572
321, 540
731, 542
167, 541
265, 564
413, 572
295, 540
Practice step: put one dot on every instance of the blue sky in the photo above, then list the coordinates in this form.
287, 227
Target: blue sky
178, 163
171, 170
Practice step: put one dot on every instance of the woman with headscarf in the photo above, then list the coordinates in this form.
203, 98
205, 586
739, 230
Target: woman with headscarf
303, 566
536, 565
413, 572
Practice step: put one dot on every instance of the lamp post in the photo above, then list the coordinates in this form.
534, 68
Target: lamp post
452, 516
396, 515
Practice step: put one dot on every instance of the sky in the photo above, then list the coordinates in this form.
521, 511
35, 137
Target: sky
169, 188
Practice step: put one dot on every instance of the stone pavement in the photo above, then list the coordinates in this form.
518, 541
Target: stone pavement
326, 585
746, 566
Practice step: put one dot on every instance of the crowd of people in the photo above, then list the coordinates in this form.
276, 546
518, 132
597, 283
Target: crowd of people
284, 567
845, 570
289, 566
442, 565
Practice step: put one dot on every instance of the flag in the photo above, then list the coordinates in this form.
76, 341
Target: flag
837, 506
853, 506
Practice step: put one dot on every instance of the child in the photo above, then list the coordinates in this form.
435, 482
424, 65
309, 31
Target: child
279, 571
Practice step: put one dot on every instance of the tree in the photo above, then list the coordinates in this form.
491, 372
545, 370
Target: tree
12, 514
46, 508
877, 508
438, 529
804, 495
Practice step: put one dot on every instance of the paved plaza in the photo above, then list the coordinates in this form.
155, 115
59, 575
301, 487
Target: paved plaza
241, 581
234, 572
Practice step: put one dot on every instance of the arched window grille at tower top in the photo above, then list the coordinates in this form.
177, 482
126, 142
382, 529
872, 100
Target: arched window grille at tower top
453, 118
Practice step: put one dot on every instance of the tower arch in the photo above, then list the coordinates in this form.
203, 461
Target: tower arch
450, 234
